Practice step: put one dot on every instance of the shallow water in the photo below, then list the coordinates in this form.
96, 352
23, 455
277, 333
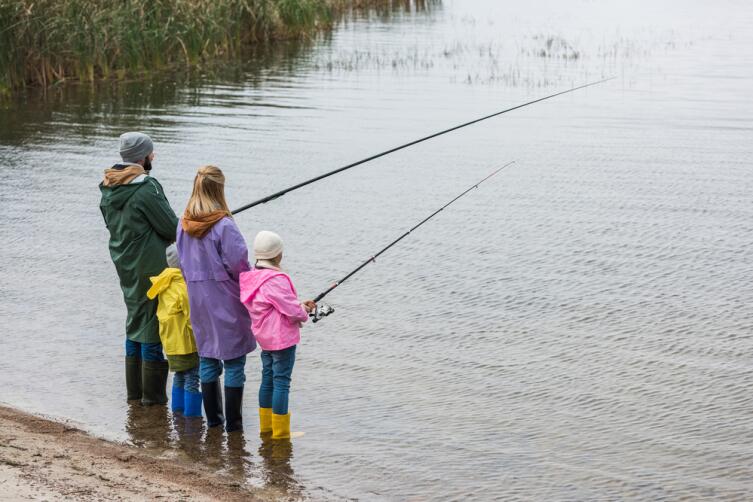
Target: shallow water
577, 328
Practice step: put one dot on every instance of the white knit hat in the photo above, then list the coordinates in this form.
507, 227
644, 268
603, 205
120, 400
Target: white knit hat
267, 245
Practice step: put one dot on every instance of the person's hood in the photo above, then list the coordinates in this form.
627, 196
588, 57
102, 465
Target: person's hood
117, 196
253, 279
198, 226
122, 174
163, 281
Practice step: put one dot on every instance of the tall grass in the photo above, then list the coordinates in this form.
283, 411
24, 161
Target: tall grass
47, 41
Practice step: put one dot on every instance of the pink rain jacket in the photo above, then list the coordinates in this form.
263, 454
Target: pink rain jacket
273, 304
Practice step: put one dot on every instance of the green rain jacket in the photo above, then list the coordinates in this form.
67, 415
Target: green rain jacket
141, 224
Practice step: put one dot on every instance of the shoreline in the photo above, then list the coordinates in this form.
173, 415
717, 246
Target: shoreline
46, 459
84, 41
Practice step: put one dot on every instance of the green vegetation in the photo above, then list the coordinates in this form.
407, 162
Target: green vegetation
43, 42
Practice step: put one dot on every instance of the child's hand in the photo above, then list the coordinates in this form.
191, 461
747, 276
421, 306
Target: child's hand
309, 305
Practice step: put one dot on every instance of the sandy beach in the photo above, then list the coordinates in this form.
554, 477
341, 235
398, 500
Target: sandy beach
42, 459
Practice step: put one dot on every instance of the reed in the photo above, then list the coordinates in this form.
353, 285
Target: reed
43, 42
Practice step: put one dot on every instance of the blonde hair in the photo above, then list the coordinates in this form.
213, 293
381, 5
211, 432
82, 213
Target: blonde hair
208, 193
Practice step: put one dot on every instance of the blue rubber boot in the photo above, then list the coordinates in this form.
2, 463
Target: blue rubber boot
193, 404
177, 403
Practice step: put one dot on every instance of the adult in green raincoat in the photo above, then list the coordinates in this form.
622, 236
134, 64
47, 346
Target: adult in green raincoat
142, 224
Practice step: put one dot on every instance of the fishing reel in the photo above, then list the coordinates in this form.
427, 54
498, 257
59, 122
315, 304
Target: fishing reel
322, 310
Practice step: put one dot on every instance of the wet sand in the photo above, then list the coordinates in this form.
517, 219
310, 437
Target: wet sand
42, 459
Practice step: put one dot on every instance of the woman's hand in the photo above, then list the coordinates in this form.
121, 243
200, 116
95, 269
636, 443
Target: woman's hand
308, 305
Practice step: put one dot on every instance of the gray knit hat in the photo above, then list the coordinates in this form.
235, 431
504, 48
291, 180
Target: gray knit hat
171, 253
135, 146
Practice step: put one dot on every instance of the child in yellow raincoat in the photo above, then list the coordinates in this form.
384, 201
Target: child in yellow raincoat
177, 336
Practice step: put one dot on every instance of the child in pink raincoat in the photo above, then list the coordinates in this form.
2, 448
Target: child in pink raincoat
276, 316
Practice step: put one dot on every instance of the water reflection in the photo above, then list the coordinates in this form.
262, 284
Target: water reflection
106, 107
237, 460
189, 432
96, 108
277, 472
155, 428
148, 426
226, 453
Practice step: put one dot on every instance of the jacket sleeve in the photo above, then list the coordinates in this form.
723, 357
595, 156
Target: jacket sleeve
102, 210
157, 210
278, 292
233, 250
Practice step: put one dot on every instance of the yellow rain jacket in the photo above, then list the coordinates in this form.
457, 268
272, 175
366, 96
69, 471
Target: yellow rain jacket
173, 313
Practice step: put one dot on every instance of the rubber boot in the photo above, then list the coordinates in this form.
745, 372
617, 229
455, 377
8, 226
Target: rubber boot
154, 378
178, 400
193, 404
280, 426
212, 403
265, 420
133, 377
233, 403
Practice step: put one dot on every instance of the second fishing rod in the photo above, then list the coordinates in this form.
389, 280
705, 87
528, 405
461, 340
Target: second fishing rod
276, 195
323, 310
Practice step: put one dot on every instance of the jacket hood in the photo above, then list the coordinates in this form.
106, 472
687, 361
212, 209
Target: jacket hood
117, 195
252, 280
198, 226
163, 281
122, 174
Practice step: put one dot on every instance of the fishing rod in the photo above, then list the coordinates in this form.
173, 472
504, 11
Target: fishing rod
325, 310
275, 195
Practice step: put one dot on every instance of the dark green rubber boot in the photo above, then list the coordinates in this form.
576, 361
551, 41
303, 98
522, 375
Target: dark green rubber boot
133, 377
154, 378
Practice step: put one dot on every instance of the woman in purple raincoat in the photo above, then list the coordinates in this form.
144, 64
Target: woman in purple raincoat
212, 255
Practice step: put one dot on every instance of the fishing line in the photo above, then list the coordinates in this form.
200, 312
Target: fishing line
325, 310
275, 195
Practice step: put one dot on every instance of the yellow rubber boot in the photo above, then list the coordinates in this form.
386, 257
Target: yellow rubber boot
265, 420
280, 426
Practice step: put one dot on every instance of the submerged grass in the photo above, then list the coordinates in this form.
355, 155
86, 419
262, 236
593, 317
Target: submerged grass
43, 42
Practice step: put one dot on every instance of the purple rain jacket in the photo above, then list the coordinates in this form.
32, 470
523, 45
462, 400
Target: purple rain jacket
211, 266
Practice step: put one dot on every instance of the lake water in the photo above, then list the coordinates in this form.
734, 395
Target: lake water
577, 328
